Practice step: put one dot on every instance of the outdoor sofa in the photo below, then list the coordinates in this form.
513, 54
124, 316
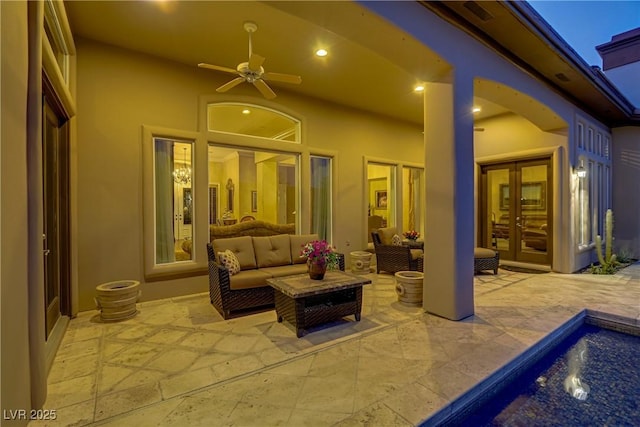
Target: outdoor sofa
259, 258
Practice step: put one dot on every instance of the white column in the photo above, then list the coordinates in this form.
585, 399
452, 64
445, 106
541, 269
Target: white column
449, 171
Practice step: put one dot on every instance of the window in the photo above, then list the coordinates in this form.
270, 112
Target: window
258, 184
252, 120
251, 171
594, 193
580, 136
173, 199
584, 222
172, 214
321, 193
58, 45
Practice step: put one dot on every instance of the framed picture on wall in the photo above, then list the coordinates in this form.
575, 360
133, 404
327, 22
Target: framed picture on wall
381, 199
504, 196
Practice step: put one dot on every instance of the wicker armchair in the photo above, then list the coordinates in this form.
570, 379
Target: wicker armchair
391, 258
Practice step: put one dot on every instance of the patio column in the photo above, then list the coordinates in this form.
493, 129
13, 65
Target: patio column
449, 168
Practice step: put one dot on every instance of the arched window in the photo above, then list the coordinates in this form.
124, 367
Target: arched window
252, 120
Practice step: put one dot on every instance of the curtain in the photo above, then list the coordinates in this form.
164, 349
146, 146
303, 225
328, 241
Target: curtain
164, 201
321, 196
412, 201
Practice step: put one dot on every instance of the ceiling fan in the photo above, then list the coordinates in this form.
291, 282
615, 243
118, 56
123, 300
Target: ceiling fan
252, 71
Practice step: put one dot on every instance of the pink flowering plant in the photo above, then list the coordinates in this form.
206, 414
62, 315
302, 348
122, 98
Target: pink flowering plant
321, 253
411, 234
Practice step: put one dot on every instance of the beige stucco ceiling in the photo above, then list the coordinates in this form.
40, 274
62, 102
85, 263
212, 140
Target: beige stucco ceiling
353, 74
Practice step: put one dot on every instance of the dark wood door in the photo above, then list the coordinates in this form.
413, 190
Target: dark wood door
516, 210
55, 177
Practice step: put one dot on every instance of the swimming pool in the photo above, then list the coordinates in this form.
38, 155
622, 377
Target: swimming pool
590, 376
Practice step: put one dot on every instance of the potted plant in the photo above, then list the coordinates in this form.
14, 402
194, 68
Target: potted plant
411, 234
320, 257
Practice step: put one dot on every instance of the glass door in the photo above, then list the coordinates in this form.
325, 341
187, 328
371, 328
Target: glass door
516, 210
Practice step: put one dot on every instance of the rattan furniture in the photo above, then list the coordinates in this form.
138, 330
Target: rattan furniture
260, 258
392, 258
485, 259
304, 302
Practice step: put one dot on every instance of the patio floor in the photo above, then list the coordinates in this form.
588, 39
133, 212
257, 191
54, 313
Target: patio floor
179, 363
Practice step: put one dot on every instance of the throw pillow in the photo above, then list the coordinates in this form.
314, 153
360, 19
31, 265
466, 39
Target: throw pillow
396, 240
230, 261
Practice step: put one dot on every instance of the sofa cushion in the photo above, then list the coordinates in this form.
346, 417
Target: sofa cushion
396, 240
247, 279
242, 247
386, 234
297, 242
285, 270
230, 261
272, 251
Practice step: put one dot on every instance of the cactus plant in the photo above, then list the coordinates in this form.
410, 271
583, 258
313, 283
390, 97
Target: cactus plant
607, 261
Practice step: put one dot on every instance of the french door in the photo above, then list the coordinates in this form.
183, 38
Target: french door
516, 210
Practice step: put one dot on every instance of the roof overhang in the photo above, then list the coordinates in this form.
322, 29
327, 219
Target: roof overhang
540, 51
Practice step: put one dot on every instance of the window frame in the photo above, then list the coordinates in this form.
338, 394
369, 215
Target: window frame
198, 263
593, 195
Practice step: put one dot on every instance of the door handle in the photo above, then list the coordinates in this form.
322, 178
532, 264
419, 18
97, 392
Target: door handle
46, 252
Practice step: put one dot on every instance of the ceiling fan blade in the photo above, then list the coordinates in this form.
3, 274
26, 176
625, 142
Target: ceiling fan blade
264, 89
285, 78
233, 83
255, 62
217, 68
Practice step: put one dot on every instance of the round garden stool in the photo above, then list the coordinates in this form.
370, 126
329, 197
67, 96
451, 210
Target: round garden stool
485, 259
360, 262
117, 300
409, 287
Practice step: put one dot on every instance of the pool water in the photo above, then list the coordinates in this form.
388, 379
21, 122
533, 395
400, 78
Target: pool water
591, 379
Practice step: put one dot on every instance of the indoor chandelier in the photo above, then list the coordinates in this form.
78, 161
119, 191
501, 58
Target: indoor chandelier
182, 175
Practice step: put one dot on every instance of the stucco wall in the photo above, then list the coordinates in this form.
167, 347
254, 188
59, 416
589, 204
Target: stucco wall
16, 379
512, 133
119, 91
626, 196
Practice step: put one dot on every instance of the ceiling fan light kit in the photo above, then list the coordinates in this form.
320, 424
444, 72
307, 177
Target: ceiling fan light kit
252, 71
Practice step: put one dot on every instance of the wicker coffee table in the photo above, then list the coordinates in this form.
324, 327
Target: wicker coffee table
304, 302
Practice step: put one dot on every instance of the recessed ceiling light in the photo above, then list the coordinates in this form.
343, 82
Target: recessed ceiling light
246, 111
476, 109
418, 88
321, 52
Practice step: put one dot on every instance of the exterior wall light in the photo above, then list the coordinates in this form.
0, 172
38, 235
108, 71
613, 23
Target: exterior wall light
581, 171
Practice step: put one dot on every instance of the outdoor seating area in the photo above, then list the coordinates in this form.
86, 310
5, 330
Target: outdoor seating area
239, 268
337, 177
